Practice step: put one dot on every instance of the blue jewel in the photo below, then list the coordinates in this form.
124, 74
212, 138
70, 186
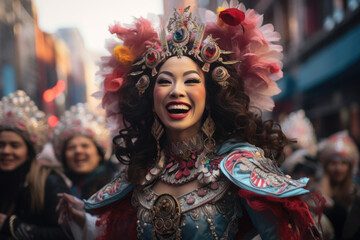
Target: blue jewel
179, 34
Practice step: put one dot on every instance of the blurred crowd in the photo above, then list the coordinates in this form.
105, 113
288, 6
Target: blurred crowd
38, 164
331, 164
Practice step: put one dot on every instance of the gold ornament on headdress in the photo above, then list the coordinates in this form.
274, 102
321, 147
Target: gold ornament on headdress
181, 26
18, 111
80, 120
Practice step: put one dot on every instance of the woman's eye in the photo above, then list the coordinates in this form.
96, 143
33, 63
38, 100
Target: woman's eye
70, 148
192, 81
163, 81
15, 145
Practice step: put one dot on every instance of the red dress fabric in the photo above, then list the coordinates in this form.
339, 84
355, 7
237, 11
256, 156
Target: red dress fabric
291, 215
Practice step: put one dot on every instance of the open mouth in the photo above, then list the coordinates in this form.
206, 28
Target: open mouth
178, 110
79, 160
6, 161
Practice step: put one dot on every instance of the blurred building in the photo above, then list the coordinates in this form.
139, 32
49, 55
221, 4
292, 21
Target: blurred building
18, 63
52, 68
321, 60
76, 91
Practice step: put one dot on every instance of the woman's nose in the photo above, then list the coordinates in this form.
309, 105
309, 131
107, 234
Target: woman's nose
5, 149
78, 149
177, 90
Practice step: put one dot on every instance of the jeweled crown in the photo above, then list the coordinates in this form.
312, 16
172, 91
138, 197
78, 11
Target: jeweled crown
20, 112
183, 27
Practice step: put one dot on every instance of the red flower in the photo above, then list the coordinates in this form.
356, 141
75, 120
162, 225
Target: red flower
112, 85
113, 81
232, 16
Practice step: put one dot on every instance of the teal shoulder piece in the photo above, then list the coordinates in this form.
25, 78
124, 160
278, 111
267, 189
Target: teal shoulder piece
248, 168
110, 193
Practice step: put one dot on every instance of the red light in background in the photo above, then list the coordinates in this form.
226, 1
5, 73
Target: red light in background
59, 87
52, 93
53, 121
48, 95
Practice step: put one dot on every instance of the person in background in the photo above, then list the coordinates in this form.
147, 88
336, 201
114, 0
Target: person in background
28, 188
340, 156
201, 161
82, 143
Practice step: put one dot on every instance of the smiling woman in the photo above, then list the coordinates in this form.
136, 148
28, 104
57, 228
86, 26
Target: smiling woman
82, 144
14, 150
28, 188
186, 107
179, 97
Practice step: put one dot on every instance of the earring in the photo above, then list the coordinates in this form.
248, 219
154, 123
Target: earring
157, 131
209, 128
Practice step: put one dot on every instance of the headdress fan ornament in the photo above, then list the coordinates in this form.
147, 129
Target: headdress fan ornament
20, 112
234, 32
80, 120
298, 126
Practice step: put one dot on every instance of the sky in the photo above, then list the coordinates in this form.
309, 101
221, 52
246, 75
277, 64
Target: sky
92, 17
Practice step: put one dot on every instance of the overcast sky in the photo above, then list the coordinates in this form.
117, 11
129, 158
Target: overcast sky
92, 17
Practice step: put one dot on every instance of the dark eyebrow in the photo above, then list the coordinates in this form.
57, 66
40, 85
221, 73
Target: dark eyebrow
185, 73
167, 73
190, 72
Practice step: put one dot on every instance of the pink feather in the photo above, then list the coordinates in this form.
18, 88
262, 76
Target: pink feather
137, 38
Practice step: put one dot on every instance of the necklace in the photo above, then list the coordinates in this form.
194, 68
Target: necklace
182, 160
181, 169
185, 161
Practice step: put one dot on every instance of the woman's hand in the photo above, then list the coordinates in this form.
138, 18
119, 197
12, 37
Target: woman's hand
2, 219
71, 208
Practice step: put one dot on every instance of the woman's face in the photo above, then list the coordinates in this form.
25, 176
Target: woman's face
13, 151
179, 97
338, 169
81, 155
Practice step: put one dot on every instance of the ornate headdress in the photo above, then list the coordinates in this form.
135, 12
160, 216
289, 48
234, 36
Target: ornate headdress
298, 126
18, 111
80, 120
342, 145
234, 31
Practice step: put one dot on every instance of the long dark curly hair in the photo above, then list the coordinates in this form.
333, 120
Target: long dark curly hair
229, 108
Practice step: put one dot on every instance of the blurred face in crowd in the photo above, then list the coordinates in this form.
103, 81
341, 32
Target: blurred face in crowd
13, 151
338, 169
81, 155
179, 96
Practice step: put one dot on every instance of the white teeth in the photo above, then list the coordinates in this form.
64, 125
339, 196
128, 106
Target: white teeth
181, 107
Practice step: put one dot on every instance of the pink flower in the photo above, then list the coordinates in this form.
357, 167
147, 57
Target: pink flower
9, 114
274, 68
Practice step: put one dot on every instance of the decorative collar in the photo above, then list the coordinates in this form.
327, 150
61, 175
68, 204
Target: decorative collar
184, 162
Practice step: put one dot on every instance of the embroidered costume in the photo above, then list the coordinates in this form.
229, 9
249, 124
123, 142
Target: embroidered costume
214, 210
241, 192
